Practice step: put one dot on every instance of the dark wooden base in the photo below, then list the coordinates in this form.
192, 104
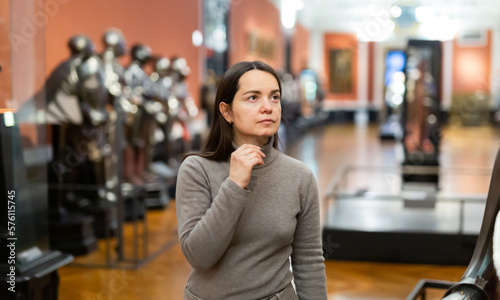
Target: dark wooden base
43, 288
105, 219
134, 202
157, 195
38, 280
73, 234
398, 247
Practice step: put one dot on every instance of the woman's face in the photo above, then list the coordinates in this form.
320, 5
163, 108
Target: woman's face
256, 110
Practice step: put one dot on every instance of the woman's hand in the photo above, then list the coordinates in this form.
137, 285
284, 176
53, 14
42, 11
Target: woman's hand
243, 160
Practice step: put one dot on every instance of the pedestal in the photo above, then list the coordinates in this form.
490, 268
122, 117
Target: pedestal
73, 234
134, 198
371, 214
105, 219
38, 281
156, 195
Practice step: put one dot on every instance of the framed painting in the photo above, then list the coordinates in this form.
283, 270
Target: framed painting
341, 81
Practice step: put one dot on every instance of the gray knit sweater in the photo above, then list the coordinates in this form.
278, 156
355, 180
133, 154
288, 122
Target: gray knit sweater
239, 241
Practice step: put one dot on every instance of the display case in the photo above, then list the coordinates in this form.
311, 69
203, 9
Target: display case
28, 266
369, 216
421, 110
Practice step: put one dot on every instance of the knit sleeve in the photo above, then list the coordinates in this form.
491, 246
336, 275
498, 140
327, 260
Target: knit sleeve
205, 225
307, 256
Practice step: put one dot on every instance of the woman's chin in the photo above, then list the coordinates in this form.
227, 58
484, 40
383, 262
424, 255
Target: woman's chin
268, 134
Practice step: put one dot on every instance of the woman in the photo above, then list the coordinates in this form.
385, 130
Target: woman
242, 213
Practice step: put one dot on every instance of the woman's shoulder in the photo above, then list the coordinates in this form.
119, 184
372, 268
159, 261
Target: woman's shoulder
194, 160
193, 166
199, 162
293, 164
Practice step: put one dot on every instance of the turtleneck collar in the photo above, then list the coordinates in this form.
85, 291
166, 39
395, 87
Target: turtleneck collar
268, 150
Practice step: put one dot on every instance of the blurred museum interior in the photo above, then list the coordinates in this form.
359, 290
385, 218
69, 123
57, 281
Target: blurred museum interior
394, 105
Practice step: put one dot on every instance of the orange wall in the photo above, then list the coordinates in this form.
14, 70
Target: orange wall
165, 26
300, 49
27, 53
262, 18
471, 67
341, 41
27, 21
5, 73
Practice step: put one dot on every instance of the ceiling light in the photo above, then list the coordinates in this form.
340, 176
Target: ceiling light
438, 29
197, 38
396, 11
289, 10
424, 13
287, 15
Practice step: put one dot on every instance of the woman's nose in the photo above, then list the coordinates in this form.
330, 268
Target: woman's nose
266, 106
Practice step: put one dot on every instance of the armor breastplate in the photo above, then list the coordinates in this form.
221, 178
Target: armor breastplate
91, 89
138, 82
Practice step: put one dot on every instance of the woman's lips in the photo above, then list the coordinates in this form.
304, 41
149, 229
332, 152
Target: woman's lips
266, 121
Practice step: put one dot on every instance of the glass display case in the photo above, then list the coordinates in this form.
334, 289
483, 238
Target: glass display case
372, 215
28, 266
421, 108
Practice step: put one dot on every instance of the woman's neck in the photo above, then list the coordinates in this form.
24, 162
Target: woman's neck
260, 141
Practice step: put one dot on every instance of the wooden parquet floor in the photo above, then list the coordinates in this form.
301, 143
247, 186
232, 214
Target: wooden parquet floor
325, 150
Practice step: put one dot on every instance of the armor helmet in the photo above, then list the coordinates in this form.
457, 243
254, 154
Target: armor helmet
113, 39
179, 66
81, 45
141, 53
162, 66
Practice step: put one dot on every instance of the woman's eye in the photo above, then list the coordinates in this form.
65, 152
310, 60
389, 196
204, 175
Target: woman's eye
252, 97
275, 98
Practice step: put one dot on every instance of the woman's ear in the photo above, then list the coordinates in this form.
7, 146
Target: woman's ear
225, 110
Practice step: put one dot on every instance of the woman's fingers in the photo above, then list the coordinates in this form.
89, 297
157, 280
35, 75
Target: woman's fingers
255, 159
249, 149
243, 160
248, 159
248, 146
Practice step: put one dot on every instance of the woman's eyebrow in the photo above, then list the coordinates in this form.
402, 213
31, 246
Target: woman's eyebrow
259, 92
252, 92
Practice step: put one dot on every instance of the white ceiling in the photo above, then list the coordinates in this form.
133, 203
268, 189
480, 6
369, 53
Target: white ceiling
350, 15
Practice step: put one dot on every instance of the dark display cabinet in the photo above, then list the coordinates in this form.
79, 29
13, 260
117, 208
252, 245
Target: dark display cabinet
28, 266
421, 120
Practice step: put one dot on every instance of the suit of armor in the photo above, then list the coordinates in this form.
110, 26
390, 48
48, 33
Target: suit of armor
59, 87
114, 47
187, 111
141, 120
93, 98
61, 81
81, 143
168, 120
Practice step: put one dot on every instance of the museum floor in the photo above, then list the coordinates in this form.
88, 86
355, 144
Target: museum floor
326, 150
